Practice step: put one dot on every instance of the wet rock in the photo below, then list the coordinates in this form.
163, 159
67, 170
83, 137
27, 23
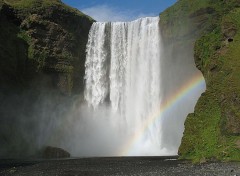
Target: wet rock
54, 152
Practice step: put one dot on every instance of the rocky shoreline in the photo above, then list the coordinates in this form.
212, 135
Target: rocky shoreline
119, 166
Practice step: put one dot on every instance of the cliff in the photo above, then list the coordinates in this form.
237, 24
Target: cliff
212, 132
42, 56
42, 39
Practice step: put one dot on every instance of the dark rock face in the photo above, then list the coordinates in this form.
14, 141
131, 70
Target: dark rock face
54, 152
42, 56
55, 38
13, 52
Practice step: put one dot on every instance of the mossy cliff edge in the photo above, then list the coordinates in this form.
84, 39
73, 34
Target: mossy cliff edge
39, 39
212, 132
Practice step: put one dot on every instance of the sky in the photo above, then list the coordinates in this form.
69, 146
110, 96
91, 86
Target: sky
120, 10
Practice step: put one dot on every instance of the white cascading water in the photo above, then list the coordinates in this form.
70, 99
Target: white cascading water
123, 70
138, 91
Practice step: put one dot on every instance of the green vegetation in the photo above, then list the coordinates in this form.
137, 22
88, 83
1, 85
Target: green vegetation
51, 38
25, 37
212, 132
203, 132
186, 19
31, 3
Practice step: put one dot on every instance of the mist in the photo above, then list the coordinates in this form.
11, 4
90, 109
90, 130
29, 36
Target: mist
106, 124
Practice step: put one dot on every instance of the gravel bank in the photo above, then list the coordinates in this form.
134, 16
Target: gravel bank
132, 166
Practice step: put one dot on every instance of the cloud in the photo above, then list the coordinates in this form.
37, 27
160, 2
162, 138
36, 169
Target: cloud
105, 13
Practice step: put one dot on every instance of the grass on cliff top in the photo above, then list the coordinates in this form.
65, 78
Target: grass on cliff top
178, 17
31, 3
28, 5
194, 17
183, 8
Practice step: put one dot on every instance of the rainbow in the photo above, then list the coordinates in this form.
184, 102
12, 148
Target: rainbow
196, 82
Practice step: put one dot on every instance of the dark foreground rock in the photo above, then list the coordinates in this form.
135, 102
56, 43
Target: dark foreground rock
116, 166
54, 152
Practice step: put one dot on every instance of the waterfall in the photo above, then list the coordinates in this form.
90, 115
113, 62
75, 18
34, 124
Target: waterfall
123, 69
139, 95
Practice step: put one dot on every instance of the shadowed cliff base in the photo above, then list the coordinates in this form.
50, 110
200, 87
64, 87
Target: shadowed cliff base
42, 56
